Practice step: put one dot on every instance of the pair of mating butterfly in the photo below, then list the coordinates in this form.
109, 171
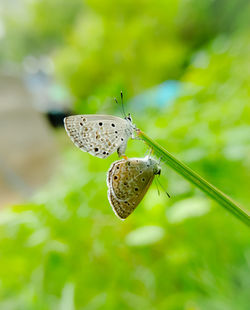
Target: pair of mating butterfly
128, 179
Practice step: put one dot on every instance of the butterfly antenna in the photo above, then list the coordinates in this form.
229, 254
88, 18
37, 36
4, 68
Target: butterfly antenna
159, 160
163, 188
151, 151
147, 153
119, 107
156, 182
123, 110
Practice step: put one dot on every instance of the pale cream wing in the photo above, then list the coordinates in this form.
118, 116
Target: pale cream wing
99, 135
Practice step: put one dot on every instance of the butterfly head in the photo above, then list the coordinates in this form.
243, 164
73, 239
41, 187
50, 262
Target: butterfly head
128, 118
158, 171
154, 164
156, 167
130, 122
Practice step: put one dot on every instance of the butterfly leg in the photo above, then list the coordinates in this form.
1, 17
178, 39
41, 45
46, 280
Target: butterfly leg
121, 150
135, 136
160, 158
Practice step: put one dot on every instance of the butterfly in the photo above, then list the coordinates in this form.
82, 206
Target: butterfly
100, 135
128, 181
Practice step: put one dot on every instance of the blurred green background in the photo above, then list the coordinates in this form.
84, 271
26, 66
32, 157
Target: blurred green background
184, 67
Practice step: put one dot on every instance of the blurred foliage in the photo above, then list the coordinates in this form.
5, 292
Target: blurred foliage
35, 27
133, 46
209, 123
100, 47
66, 249
69, 249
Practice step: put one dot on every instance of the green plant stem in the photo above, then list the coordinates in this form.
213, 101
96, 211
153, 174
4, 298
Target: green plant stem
197, 180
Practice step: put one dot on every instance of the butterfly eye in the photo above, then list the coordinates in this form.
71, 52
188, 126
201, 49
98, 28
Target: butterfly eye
129, 118
158, 172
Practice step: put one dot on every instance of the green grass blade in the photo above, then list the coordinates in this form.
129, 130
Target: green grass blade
197, 180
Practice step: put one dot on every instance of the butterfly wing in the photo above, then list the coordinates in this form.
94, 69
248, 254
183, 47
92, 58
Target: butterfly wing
128, 182
99, 135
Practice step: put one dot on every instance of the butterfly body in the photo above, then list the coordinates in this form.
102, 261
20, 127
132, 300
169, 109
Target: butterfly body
99, 135
128, 182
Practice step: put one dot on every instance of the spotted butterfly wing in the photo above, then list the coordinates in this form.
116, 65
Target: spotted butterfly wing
128, 182
99, 135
